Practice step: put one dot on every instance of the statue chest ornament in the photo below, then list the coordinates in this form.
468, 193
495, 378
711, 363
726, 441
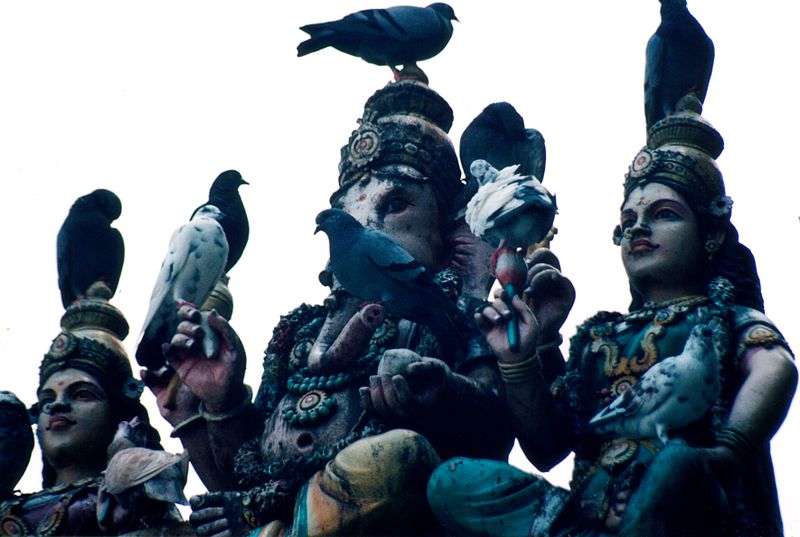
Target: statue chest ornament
627, 349
45, 513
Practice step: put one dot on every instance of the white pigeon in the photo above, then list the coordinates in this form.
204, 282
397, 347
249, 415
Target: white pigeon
195, 261
509, 207
672, 394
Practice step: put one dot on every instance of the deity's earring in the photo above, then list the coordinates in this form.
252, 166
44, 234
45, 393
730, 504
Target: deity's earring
712, 246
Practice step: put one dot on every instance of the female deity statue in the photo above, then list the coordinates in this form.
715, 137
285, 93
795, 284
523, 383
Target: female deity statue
85, 391
342, 446
669, 409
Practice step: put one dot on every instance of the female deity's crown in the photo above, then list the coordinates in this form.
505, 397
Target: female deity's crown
91, 337
403, 124
681, 151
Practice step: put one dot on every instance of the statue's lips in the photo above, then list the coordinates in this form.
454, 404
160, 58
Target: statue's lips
642, 245
57, 423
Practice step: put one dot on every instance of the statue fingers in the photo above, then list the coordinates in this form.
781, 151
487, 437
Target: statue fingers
544, 256
188, 311
400, 400
207, 515
377, 396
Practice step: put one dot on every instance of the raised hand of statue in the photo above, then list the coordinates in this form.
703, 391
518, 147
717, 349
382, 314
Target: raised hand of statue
218, 381
549, 294
176, 403
493, 323
408, 388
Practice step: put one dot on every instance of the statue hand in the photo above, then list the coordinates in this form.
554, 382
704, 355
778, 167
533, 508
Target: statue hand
220, 514
493, 323
175, 400
549, 294
218, 381
410, 394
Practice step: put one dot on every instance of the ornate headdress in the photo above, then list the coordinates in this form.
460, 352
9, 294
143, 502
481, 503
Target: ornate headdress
404, 126
91, 337
681, 151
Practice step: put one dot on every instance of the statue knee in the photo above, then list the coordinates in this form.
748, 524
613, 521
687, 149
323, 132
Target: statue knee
679, 495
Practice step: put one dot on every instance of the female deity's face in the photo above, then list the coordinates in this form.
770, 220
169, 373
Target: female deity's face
404, 210
662, 250
75, 419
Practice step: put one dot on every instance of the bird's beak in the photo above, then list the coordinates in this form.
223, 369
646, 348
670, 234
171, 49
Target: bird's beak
245, 182
317, 229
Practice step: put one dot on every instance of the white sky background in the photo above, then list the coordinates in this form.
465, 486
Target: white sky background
153, 99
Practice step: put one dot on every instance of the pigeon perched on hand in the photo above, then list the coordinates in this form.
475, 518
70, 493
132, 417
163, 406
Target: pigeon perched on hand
375, 268
400, 35
509, 208
679, 60
672, 394
88, 249
224, 195
16, 442
194, 263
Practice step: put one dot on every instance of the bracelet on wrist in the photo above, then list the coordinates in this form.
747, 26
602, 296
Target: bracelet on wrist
736, 441
232, 413
181, 427
550, 345
521, 372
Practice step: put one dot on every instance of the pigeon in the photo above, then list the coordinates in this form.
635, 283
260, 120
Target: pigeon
679, 60
498, 136
374, 267
195, 261
224, 195
509, 209
670, 395
138, 480
88, 249
16, 442
400, 35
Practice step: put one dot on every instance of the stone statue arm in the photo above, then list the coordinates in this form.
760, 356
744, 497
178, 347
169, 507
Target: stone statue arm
543, 428
769, 380
179, 406
218, 383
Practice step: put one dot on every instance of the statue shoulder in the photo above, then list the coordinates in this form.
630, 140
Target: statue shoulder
754, 329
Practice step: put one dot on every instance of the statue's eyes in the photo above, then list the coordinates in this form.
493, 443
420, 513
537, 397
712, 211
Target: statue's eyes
626, 223
86, 394
667, 214
396, 205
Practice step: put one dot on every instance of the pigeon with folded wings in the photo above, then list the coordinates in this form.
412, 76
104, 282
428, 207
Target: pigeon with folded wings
509, 208
400, 35
88, 249
195, 261
672, 394
374, 267
679, 60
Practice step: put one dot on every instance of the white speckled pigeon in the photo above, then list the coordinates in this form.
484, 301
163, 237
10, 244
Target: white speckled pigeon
375, 268
194, 263
509, 207
400, 35
672, 394
678, 60
16, 442
88, 249
224, 195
